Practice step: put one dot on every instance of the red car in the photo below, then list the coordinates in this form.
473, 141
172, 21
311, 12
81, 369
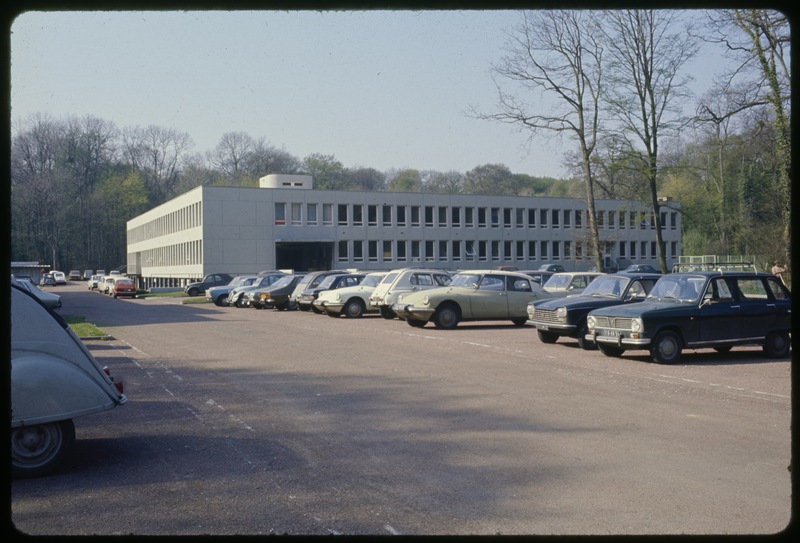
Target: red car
123, 286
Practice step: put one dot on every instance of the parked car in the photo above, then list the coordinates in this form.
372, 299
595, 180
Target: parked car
94, 281
236, 296
54, 378
74, 275
311, 279
47, 280
264, 298
402, 281
122, 286
640, 268
331, 282
349, 301
719, 310
539, 277
59, 278
566, 316
219, 295
105, 285
471, 295
87, 274
50, 300
552, 268
101, 273
211, 280
569, 283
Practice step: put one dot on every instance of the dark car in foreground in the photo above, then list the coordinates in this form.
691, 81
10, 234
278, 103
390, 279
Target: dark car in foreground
695, 310
264, 298
566, 317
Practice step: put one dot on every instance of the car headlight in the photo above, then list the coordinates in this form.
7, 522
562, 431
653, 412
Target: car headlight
590, 322
637, 325
426, 300
561, 313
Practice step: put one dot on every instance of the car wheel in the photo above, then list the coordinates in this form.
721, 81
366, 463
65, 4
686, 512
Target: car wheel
547, 337
777, 344
317, 310
354, 309
387, 313
520, 321
416, 323
240, 302
39, 449
192, 292
583, 343
446, 317
221, 300
114, 295
666, 347
610, 350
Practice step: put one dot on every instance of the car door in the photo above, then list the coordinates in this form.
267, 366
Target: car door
720, 313
490, 299
520, 294
757, 306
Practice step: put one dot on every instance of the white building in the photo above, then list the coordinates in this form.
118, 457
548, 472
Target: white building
286, 224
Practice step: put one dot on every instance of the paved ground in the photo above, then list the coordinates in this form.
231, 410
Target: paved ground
264, 422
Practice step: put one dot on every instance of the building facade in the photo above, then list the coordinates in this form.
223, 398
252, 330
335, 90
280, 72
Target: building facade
286, 224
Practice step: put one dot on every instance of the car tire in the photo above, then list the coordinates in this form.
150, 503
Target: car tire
547, 337
221, 300
446, 316
583, 343
416, 323
387, 313
610, 350
777, 344
192, 292
240, 302
666, 347
354, 309
520, 321
39, 449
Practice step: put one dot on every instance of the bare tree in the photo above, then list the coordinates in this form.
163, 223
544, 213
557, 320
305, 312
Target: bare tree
557, 54
648, 50
156, 153
231, 154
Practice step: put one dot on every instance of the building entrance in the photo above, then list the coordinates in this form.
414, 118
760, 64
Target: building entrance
304, 256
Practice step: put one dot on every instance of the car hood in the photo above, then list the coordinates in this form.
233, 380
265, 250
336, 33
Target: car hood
576, 302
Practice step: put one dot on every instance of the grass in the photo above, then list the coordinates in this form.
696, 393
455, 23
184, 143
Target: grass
83, 328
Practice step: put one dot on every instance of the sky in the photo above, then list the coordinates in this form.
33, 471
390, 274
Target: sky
376, 89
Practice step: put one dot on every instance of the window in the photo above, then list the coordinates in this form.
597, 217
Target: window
469, 250
401, 249
542, 218
520, 217
342, 215
429, 256
482, 217
622, 249
415, 250
442, 250
387, 250
531, 250
428, 215
621, 215
456, 250
358, 250
519, 285
455, 216
633, 249
482, 250
567, 250
578, 218
673, 220
311, 214
531, 218
280, 214
567, 218
372, 248
601, 219
507, 217
653, 251
556, 250
327, 214
520, 252
343, 257
492, 282
401, 215
421, 279
372, 215
495, 217
643, 250
442, 216
495, 250
297, 214
508, 253
414, 215
543, 252
612, 220
469, 218
752, 289
555, 223
387, 215
358, 215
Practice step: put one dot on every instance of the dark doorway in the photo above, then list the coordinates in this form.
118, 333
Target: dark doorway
304, 256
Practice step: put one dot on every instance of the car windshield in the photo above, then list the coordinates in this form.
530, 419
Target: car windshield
558, 282
282, 282
678, 287
371, 280
465, 280
607, 286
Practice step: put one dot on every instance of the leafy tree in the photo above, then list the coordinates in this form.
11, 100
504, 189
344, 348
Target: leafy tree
490, 179
405, 181
328, 173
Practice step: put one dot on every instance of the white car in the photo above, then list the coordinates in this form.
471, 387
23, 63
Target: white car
59, 277
351, 302
50, 300
402, 281
569, 283
94, 281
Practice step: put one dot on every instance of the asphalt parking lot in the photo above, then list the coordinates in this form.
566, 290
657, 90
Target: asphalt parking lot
264, 422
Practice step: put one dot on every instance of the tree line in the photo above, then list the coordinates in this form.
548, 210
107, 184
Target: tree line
616, 77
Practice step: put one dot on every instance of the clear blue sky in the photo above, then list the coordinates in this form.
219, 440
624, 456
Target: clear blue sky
380, 89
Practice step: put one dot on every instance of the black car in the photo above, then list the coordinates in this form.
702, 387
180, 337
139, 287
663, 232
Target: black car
330, 282
309, 280
693, 310
276, 295
210, 280
566, 317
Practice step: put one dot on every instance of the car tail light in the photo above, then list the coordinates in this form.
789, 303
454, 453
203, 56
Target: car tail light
117, 384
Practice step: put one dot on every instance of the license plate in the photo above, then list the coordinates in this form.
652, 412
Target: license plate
609, 333
542, 327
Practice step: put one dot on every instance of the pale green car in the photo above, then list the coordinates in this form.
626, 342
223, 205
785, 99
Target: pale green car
472, 295
349, 301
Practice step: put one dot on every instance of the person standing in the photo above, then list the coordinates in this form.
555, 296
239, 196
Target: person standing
777, 270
